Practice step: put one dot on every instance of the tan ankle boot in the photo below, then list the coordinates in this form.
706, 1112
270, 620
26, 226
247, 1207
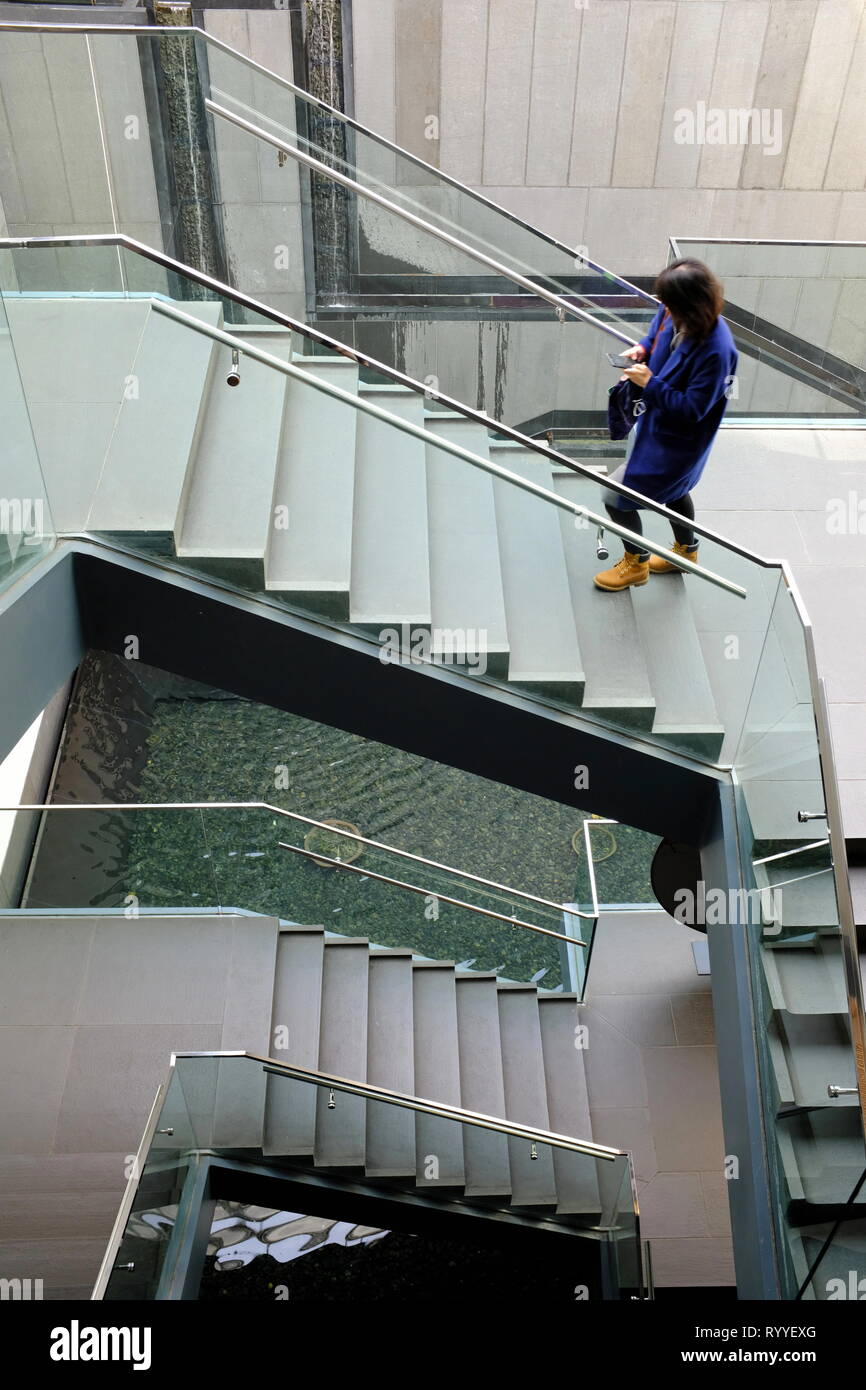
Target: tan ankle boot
659, 566
631, 569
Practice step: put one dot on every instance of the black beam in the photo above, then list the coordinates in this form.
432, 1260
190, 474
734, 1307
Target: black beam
274, 656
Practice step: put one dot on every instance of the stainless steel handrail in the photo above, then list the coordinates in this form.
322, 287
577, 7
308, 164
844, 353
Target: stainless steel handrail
223, 291
763, 241
359, 402
317, 857
144, 30
288, 815
368, 1091
563, 306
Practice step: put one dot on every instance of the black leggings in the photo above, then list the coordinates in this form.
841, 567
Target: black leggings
631, 519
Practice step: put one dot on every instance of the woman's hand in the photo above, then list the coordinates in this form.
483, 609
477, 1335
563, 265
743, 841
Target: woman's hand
636, 353
639, 374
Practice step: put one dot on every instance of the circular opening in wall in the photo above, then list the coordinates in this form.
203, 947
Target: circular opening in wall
335, 846
602, 840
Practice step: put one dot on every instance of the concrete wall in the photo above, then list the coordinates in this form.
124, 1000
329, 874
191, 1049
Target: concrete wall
565, 112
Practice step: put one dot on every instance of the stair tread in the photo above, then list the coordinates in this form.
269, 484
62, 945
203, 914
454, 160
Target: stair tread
465, 575
438, 1142
533, 1180
823, 1155
340, 1132
616, 671
390, 580
315, 483
817, 1053
675, 661
290, 1115
805, 894
542, 636
568, 1104
228, 507
482, 1085
806, 981
390, 1148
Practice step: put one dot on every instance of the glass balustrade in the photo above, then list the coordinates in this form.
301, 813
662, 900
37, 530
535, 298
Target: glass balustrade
196, 150
353, 495
315, 1133
810, 290
806, 1031
251, 858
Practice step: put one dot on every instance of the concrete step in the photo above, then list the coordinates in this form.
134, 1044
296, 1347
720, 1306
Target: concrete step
438, 1142
309, 557
802, 891
806, 979
822, 1154
226, 520
390, 552
617, 680
533, 1181
290, 1111
544, 653
148, 463
390, 1063
340, 1131
857, 879
686, 714
465, 575
568, 1103
810, 1052
482, 1085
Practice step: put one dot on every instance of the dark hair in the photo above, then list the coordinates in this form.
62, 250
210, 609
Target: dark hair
693, 294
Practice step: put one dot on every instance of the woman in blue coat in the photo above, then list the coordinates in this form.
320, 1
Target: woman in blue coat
685, 364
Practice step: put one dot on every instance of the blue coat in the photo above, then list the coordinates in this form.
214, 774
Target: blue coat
685, 401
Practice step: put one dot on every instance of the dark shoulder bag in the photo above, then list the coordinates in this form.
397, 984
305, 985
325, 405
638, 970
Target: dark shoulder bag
625, 400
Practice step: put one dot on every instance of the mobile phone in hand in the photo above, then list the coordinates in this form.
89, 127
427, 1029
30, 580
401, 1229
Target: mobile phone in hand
620, 361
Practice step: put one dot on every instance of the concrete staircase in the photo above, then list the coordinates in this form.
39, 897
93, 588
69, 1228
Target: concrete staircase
275, 486
100, 1002
819, 1138
424, 1028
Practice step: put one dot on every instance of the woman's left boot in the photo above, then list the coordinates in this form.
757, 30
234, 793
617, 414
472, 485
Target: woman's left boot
631, 569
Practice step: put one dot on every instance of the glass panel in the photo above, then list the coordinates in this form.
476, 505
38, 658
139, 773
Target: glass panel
156, 156
26, 527
803, 1027
217, 860
274, 484
790, 308
140, 1257
305, 1130
370, 248
805, 289
622, 859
